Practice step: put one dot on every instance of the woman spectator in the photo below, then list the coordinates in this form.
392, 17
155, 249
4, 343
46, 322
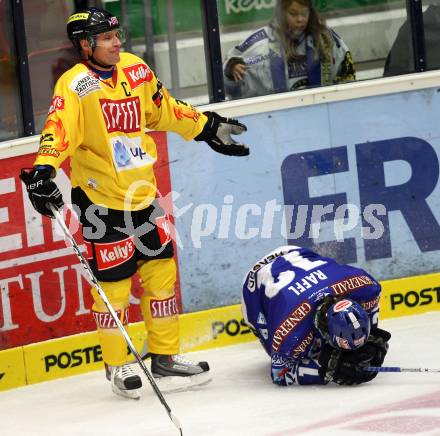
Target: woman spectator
295, 50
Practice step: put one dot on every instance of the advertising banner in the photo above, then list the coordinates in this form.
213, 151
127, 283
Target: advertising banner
44, 290
357, 180
231, 12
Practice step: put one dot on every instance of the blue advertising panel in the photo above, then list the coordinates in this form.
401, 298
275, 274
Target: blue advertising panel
356, 180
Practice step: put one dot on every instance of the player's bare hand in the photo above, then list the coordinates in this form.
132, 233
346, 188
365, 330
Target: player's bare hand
239, 71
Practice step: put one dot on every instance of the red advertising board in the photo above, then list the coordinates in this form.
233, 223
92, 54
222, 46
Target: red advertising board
44, 292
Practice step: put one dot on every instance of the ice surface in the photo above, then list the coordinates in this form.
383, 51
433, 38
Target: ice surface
241, 400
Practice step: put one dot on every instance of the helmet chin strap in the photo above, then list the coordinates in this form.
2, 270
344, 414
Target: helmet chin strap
99, 64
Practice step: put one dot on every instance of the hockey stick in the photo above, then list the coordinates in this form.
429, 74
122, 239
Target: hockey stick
398, 369
59, 217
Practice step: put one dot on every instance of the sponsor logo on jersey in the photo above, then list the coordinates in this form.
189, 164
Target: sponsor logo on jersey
112, 254
137, 74
302, 347
164, 308
261, 319
281, 360
158, 95
288, 325
85, 83
104, 320
351, 284
121, 115
184, 110
370, 304
253, 39
163, 228
296, 70
53, 139
128, 153
57, 104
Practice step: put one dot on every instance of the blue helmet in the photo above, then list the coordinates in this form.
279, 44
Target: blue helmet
347, 325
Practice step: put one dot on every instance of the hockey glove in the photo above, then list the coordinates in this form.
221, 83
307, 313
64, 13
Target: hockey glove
217, 134
345, 367
41, 189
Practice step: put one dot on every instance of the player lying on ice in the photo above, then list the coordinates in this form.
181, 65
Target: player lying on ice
315, 318
99, 113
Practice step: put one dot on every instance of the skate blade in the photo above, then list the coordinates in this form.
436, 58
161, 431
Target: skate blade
170, 384
132, 394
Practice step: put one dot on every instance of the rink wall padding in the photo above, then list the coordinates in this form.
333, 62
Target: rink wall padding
350, 170
44, 290
212, 328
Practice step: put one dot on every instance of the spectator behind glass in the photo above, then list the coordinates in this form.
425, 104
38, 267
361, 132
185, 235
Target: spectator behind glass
400, 59
294, 51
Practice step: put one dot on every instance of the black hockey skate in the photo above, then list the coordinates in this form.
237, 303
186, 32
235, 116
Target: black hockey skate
175, 373
124, 381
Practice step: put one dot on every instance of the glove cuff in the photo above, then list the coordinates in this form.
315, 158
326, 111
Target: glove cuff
210, 128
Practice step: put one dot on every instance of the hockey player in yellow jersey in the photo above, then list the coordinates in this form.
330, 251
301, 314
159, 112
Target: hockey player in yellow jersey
98, 116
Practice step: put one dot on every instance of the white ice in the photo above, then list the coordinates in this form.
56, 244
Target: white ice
242, 401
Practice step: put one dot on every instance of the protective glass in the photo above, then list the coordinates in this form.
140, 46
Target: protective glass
107, 38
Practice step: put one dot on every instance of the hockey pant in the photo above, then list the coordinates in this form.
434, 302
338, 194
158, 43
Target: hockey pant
158, 306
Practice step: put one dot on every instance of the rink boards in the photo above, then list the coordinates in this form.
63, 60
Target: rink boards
217, 327
361, 144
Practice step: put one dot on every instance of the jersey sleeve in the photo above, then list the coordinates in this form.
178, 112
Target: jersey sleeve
62, 131
165, 113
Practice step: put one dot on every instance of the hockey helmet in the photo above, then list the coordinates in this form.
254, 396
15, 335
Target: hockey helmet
88, 23
344, 324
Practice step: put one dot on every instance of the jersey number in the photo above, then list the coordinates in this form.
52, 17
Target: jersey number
266, 278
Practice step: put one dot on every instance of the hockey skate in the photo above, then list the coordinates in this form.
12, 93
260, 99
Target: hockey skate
124, 381
174, 373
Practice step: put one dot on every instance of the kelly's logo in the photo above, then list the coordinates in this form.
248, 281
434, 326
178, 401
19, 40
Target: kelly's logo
137, 74
112, 254
56, 104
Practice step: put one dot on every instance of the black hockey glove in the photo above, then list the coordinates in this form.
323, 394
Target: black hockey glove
345, 367
217, 134
41, 189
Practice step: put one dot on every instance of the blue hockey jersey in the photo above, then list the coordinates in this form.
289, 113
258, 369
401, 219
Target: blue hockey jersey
280, 296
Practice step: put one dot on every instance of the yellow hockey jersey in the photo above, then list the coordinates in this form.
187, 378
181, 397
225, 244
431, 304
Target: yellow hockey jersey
100, 124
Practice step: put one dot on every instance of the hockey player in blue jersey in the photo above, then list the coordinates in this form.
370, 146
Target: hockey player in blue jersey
316, 319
